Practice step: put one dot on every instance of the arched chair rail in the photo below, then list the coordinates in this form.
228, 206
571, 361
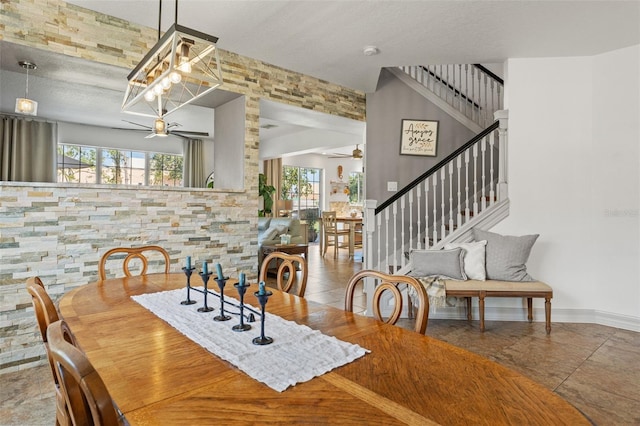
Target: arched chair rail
132, 253
393, 284
286, 263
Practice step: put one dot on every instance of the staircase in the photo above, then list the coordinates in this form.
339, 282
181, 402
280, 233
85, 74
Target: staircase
466, 190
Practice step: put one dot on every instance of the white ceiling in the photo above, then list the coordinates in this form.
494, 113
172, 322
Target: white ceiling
324, 39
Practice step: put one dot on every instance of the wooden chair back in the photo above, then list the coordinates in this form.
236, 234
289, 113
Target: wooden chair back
331, 232
86, 395
131, 254
394, 284
44, 308
288, 264
46, 314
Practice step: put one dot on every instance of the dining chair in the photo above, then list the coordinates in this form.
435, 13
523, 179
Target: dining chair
332, 233
46, 313
86, 395
288, 264
131, 254
394, 284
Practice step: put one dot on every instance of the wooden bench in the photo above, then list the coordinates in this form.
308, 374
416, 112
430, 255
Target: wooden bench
492, 288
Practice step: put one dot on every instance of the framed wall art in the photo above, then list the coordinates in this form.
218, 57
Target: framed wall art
419, 137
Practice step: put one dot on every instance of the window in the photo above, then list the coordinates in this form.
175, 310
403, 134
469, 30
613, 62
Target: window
302, 186
118, 167
356, 187
76, 164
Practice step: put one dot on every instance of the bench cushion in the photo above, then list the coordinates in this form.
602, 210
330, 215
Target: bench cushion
494, 285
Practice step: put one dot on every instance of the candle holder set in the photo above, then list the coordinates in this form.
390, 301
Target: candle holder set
262, 296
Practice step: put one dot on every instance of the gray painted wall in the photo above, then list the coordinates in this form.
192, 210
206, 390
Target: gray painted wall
392, 102
229, 145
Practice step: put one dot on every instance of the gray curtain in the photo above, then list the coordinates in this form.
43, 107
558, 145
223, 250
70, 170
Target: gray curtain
194, 175
27, 150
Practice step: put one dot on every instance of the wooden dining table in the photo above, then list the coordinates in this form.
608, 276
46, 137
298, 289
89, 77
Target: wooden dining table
157, 376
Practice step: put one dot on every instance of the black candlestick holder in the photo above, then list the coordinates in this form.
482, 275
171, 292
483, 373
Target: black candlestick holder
241, 291
262, 298
222, 317
205, 280
188, 272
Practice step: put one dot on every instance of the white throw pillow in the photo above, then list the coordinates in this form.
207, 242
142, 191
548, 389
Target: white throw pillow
474, 257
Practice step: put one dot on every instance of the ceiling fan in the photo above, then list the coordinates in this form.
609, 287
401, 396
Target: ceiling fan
163, 129
356, 153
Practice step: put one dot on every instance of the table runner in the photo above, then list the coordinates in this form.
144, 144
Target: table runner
297, 354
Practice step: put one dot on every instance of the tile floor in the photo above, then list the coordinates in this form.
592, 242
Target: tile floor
594, 367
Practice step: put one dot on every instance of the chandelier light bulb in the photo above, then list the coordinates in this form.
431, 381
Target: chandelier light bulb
157, 89
175, 77
149, 96
185, 65
166, 83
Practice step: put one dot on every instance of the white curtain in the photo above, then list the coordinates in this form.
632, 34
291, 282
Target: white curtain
27, 150
194, 175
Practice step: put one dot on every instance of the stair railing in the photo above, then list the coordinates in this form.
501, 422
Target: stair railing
448, 197
471, 89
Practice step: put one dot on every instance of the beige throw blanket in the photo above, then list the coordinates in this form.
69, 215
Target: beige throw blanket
436, 292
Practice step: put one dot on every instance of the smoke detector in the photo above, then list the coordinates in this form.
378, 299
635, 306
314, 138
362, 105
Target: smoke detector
370, 51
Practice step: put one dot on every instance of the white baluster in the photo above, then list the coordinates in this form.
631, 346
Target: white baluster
459, 167
410, 220
435, 208
479, 101
442, 214
447, 86
492, 193
466, 186
402, 240
466, 90
395, 236
418, 219
483, 148
473, 93
450, 197
379, 232
475, 179
493, 98
387, 239
460, 78
485, 117
426, 213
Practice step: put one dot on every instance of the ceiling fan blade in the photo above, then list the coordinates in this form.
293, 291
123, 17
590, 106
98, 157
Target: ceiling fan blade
186, 132
339, 155
130, 130
137, 124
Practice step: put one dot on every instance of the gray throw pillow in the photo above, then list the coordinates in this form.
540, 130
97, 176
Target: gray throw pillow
506, 255
443, 263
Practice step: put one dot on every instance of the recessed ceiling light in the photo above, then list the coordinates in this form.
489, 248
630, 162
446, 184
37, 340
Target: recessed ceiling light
370, 51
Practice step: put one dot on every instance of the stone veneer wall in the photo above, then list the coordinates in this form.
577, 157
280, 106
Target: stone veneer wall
60, 231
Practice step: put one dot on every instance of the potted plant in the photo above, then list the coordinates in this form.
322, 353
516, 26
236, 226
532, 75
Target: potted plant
311, 217
266, 192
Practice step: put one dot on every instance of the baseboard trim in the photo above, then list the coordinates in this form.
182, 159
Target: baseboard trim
590, 316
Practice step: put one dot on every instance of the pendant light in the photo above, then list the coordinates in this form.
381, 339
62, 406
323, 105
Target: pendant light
25, 105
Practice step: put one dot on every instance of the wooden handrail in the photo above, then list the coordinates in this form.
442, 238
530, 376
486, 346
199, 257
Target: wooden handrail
435, 168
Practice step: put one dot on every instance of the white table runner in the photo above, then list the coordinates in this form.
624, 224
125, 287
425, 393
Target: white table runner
297, 354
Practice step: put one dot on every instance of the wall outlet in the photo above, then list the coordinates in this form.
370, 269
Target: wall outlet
392, 186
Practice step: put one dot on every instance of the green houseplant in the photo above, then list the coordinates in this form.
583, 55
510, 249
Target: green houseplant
266, 192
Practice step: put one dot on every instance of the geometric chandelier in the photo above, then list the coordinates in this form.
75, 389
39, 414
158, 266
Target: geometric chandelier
180, 68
